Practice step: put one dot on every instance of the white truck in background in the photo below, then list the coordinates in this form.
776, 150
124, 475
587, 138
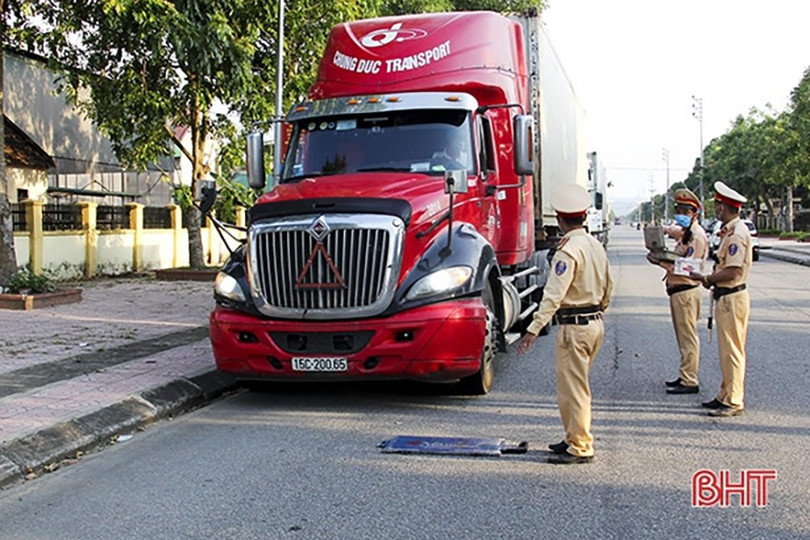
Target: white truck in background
599, 212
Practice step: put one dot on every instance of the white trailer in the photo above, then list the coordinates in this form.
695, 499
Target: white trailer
560, 120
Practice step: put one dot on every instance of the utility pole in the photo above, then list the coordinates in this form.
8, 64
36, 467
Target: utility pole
665, 157
652, 199
697, 114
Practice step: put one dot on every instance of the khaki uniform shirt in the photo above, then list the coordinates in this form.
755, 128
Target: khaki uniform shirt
696, 248
580, 276
735, 251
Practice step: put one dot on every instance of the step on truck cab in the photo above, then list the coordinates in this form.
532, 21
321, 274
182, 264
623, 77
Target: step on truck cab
408, 234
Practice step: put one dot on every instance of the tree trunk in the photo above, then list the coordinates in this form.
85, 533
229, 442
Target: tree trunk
195, 249
772, 223
789, 209
8, 256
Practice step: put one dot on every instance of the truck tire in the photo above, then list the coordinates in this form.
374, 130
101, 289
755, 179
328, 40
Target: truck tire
480, 383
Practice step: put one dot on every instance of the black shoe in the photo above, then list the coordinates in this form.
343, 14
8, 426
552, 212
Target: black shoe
725, 411
713, 404
676, 382
681, 389
568, 459
558, 448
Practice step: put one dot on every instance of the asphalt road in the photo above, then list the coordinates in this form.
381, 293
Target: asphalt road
302, 462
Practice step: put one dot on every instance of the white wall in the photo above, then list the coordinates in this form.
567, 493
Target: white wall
158, 249
115, 251
22, 247
63, 254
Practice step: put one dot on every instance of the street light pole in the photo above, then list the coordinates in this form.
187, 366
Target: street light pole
697, 114
665, 156
279, 92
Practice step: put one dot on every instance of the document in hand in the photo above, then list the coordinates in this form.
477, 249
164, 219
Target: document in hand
686, 265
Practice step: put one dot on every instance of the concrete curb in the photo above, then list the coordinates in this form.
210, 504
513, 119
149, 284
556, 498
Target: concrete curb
44, 450
795, 249
785, 255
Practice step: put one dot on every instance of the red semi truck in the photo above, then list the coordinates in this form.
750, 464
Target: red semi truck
408, 234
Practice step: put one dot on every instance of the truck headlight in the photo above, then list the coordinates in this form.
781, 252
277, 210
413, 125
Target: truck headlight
439, 282
227, 286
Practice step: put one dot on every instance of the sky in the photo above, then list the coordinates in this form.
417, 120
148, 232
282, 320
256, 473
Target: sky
635, 65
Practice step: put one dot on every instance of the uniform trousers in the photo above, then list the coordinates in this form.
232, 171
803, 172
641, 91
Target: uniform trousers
685, 309
731, 315
577, 347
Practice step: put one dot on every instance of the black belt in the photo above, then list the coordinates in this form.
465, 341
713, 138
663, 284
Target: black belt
720, 292
579, 310
577, 319
578, 315
679, 288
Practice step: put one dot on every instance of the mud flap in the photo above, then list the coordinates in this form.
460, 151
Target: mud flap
458, 446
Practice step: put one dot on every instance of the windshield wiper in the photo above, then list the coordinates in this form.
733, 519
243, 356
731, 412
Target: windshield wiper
384, 169
300, 177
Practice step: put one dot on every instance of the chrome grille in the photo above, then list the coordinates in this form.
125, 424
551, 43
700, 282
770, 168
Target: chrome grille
328, 266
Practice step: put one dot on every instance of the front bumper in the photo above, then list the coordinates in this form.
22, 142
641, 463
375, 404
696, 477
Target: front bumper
438, 343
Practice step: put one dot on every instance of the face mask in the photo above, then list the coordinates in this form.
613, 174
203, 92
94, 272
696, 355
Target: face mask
683, 220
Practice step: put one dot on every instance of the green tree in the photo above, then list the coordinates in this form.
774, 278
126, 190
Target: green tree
401, 7
750, 157
797, 163
764, 154
502, 6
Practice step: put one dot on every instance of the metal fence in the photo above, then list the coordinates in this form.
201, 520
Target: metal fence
68, 217
18, 217
156, 217
112, 217
57, 217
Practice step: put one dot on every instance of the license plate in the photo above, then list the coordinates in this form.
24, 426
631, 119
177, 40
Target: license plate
320, 364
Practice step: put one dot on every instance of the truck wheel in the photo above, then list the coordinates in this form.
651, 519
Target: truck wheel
481, 383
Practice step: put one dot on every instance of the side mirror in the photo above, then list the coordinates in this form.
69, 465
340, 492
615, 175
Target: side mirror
523, 129
455, 181
255, 160
208, 195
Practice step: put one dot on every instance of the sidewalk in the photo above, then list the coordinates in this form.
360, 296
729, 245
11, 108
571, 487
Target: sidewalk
76, 377
785, 250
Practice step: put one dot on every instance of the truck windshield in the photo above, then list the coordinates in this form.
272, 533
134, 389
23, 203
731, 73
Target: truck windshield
425, 141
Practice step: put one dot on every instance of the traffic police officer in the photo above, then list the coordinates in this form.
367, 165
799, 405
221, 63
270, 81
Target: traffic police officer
684, 291
732, 302
576, 294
